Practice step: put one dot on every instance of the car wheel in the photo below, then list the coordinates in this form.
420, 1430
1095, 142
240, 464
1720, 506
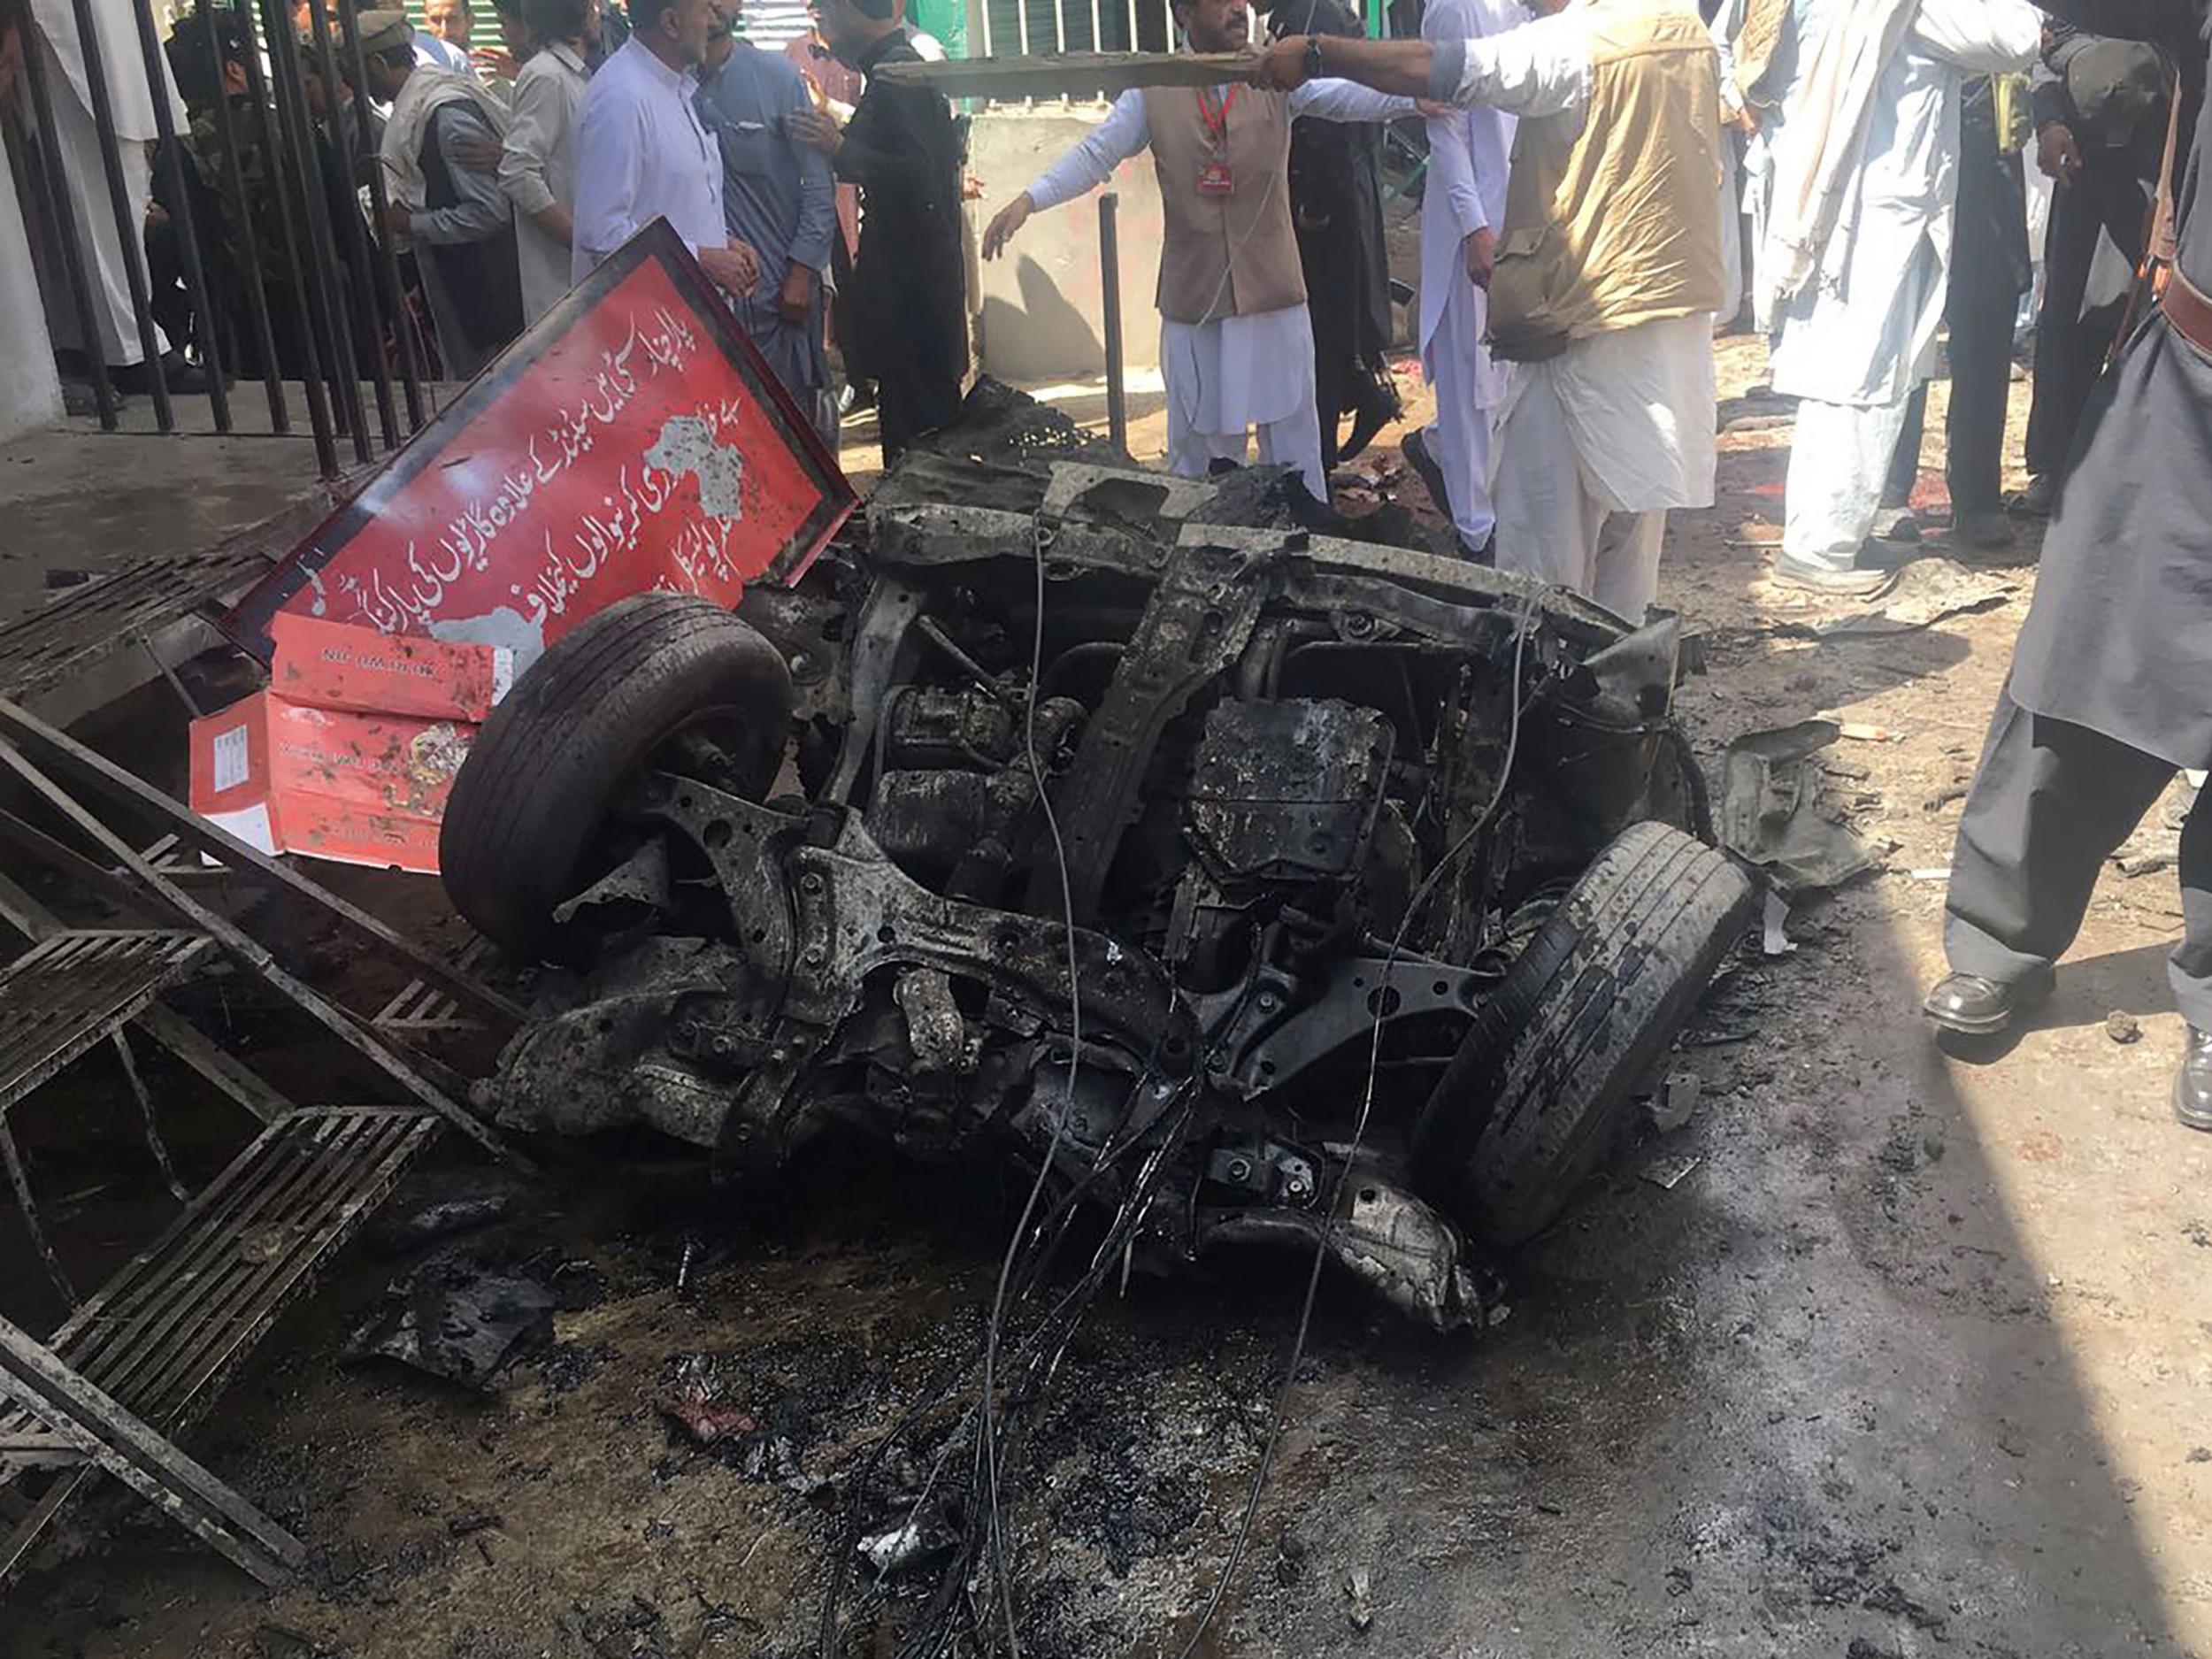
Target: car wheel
1541, 1085
660, 679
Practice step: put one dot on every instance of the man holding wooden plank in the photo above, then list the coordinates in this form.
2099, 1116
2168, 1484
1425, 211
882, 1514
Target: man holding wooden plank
1236, 342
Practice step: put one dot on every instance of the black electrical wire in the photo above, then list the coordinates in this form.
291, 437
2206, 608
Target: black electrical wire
989, 1436
1421, 896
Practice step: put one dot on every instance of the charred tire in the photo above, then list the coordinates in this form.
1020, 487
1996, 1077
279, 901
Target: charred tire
1541, 1085
531, 800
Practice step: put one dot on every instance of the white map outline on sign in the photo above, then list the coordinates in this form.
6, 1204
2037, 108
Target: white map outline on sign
686, 444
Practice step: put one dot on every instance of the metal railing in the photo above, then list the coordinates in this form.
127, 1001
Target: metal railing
1012, 28
300, 252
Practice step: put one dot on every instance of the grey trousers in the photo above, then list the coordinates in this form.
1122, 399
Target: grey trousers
2050, 804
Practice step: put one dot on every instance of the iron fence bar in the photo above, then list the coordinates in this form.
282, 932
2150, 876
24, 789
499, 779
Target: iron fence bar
1109, 280
410, 368
53, 183
181, 225
324, 295
319, 410
235, 176
357, 241
131, 236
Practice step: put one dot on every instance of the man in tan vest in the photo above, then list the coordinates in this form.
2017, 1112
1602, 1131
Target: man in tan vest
1236, 343
1607, 274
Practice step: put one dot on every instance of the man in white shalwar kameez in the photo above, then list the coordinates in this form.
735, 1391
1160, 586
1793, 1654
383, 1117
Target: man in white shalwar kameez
1607, 276
1759, 68
1858, 250
1460, 210
113, 326
1236, 341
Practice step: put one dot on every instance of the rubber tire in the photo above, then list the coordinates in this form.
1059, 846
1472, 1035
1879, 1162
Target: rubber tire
1541, 1085
543, 775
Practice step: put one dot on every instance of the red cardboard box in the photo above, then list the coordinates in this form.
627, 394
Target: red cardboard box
351, 753
331, 783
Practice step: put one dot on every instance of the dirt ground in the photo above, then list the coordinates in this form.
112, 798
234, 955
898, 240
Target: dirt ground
1908, 1363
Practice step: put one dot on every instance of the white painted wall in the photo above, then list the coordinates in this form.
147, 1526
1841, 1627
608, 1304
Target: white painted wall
1043, 299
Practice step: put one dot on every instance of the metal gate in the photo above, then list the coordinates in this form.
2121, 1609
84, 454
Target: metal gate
296, 283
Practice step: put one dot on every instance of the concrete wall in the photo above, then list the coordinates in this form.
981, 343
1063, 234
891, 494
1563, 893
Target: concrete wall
1043, 299
29, 393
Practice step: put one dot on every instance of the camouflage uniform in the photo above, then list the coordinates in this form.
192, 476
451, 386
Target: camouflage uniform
256, 168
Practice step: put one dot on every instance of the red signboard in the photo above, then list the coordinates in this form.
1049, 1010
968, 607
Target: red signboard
633, 439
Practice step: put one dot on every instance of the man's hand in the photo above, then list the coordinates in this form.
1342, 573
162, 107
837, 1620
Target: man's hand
736, 267
971, 187
1282, 66
477, 154
1434, 110
795, 300
1480, 249
398, 220
2056, 153
495, 63
817, 127
1004, 223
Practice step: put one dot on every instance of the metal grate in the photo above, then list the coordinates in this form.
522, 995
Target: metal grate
115, 614
421, 1008
164, 1333
63, 995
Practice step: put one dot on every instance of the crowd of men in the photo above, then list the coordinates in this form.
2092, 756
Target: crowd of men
812, 196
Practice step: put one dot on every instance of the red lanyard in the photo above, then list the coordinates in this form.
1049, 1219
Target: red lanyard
1213, 111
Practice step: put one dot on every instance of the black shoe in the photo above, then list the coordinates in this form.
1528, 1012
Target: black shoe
1976, 1007
1896, 524
1486, 556
1985, 529
1415, 447
184, 380
2036, 500
2193, 1083
1376, 410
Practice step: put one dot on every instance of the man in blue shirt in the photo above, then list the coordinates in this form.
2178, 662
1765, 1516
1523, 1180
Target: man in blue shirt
778, 196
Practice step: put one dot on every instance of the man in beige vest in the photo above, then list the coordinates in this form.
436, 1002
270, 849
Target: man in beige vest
1236, 343
1607, 274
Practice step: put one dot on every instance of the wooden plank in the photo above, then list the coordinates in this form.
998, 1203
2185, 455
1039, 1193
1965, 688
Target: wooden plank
154, 1468
1071, 74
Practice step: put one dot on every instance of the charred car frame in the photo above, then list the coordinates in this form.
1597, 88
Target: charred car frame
1304, 890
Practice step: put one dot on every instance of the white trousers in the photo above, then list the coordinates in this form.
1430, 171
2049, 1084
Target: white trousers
1294, 441
1460, 441
1839, 459
85, 177
1553, 523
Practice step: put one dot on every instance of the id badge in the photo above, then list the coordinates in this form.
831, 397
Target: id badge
1214, 180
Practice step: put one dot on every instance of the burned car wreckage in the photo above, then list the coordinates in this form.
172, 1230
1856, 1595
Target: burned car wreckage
1319, 890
